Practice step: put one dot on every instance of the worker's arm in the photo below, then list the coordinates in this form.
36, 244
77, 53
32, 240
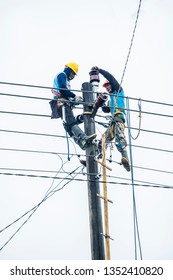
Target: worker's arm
111, 79
63, 87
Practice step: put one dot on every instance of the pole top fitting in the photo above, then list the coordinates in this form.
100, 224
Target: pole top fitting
94, 76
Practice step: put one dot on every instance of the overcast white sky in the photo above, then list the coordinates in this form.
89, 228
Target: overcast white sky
37, 38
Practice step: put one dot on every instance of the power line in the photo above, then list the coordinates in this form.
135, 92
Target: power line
84, 173
24, 114
53, 135
35, 86
135, 214
152, 148
152, 131
32, 133
49, 193
48, 99
65, 154
41, 115
131, 43
82, 180
53, 171
78, 154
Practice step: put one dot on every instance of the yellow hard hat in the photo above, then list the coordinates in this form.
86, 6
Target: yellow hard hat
105, 83
74, 66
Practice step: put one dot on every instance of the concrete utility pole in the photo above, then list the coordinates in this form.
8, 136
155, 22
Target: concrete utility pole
95, 214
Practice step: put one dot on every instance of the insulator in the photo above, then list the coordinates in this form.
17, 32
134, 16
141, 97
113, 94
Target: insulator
94, 76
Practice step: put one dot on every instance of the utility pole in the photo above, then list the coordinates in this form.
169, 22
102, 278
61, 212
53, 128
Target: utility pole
95, 213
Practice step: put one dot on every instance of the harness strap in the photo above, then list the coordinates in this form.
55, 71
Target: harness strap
56, 93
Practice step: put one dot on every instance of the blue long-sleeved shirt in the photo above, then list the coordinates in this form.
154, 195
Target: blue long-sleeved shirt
116, 103
62, 83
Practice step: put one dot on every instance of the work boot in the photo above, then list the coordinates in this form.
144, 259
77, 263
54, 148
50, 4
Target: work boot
125, 160
81, 138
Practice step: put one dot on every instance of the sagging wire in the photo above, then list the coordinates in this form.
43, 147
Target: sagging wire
135, 218
48, 194
140, 117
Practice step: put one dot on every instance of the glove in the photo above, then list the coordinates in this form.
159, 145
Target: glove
106, 109
95, 68
78, 99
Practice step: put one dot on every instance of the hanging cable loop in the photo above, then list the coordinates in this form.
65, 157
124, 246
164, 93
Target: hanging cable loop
140, 117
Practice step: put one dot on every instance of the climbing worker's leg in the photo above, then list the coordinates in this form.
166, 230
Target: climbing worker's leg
125, 160
121, 144
81, 138
70, 125
109, 136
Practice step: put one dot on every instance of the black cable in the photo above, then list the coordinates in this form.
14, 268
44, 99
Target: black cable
41, 115
86, 173
48, 195
36, 86
53, 135
24, 114
49, 99
82, 180
131, 43
32, 133
78, 154
152, 148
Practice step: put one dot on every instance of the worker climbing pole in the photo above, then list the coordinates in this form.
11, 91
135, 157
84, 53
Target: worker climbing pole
115, 106
63, 102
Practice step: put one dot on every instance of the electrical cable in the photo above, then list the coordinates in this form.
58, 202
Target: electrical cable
36, 86
78, 154
130, 145
152, 148
41, 115
131, 43
86, 173
41, 200
48, 99
136, 227
140, 116
154, 185
48, 195
82, 102
53, 135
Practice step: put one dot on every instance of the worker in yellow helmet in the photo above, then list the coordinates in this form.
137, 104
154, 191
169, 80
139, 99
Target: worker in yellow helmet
63, 104
116, 107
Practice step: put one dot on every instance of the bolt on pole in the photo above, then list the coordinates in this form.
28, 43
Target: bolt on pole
95, 213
